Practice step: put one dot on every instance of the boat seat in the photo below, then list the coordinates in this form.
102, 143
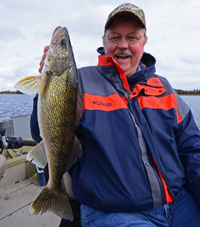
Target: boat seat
2, 165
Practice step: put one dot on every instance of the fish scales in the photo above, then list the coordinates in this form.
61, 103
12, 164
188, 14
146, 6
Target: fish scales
61, 117
60, 106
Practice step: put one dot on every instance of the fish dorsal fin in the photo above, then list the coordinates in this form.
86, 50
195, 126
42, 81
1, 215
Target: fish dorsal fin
29, 85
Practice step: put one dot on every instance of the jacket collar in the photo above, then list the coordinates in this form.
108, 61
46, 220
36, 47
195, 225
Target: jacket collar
147, 66
142, 76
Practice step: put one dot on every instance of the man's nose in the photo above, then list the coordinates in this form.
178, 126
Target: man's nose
123, 44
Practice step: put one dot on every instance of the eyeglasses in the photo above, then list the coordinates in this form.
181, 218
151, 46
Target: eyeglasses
115, 37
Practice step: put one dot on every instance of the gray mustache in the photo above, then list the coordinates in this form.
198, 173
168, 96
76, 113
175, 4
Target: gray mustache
123, 52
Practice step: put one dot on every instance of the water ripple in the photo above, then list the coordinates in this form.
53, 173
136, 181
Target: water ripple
15, 105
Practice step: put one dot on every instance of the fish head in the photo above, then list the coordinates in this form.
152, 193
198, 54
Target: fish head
59, 59
60, 52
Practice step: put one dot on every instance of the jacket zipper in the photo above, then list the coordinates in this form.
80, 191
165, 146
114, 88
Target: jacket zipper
156, 186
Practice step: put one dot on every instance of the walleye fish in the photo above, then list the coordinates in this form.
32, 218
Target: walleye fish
60, 107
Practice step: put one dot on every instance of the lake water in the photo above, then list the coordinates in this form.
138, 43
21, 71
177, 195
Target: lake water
16, 105
194, 104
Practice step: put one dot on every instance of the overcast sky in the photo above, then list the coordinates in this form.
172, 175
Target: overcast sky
173, 29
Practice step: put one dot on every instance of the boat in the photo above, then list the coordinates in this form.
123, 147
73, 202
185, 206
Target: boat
21, 182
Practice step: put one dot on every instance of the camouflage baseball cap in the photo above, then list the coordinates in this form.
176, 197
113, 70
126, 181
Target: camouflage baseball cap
127, 8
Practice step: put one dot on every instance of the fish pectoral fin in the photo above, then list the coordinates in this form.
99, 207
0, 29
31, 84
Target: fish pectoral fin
45, 83
54, 201
75, 153
79, 105
38, 155
29, 85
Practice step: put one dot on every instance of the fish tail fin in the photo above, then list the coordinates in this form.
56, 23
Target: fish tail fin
52, 201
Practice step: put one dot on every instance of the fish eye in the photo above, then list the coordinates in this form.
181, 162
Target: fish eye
64, 42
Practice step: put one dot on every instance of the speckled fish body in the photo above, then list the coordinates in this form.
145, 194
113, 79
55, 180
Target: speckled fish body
60, 107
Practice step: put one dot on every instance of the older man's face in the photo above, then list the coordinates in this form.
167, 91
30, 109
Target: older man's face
127, 55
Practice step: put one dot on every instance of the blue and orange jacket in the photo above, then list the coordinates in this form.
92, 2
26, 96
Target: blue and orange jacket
140, 142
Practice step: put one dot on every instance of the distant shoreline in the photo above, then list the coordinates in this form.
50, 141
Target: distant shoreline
24, 94
189, 94
10, 94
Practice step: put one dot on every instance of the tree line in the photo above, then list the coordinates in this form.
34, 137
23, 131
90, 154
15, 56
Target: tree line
11, 92
178, 91
185, 92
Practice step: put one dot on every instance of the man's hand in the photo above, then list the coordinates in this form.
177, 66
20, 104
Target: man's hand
43, 58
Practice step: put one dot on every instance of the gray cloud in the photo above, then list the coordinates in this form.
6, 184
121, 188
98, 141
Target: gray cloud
9, 30
26, 27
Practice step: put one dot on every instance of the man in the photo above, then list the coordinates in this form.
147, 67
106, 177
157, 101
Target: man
141, 147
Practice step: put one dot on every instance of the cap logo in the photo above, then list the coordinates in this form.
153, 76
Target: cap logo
126, 6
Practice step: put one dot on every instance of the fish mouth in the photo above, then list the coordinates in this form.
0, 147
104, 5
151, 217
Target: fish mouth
57, 30
58, 44
60, 34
